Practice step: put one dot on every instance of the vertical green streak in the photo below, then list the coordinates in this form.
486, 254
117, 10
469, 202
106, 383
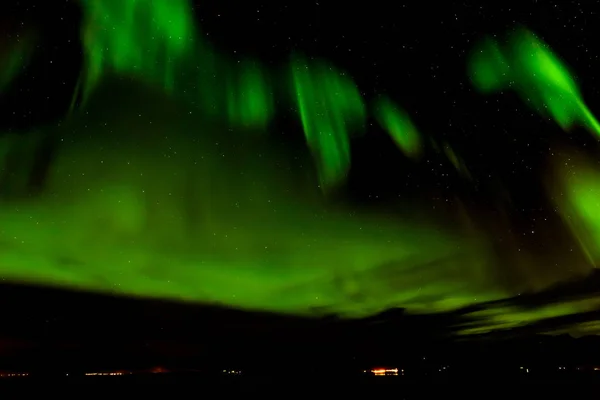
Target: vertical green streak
528, 66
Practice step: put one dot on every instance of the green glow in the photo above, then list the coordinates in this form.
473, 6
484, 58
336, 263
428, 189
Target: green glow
529, 67
147, 199
158, 42
14, 56
136, 37
399, 126
489, 69
506, 316
170, 53
165, 185
331, 108
575, 188
141, 204
249, 101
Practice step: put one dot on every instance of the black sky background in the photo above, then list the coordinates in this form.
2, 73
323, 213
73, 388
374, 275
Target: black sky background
415, 52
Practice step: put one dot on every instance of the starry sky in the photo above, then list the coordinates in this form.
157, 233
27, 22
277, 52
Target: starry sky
417, 54
413, 52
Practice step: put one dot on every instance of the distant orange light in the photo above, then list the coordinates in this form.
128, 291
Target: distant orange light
384, 371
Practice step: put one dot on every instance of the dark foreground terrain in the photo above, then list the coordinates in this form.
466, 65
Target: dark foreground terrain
370, 386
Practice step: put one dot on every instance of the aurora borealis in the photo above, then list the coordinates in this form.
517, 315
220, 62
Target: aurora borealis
165, 181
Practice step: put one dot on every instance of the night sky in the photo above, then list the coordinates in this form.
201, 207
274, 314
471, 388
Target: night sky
416, 53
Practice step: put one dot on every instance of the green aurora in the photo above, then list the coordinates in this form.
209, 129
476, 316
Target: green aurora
176, 192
